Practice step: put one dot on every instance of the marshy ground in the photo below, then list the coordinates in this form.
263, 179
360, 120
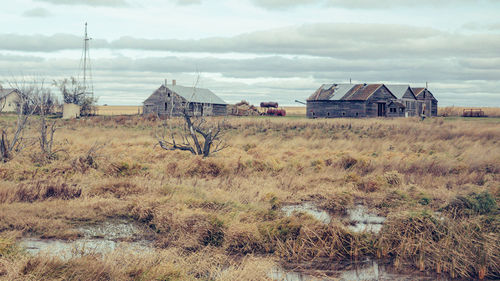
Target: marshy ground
288, 195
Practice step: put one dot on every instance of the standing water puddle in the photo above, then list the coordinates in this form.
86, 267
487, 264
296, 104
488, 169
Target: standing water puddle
310, 209
97, 239
361, 220
358, 218
367, 270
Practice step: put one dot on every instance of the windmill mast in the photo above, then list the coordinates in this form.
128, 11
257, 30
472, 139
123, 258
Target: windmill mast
88, 87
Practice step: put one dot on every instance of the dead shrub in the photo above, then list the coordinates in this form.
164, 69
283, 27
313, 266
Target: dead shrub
393, 178
244, 242
40, 190
88, 160
123, 169
117, 189
369, 185
347, 162
204, 168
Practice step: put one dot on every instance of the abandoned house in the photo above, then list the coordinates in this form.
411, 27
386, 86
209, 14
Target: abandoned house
363, 100
406, 97
173, 99
349, 100
428, 104
8, 100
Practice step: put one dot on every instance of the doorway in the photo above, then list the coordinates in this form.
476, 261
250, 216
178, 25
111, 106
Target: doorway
381, 109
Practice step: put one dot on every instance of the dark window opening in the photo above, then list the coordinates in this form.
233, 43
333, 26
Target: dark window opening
168, 94
165, 106
343, 113
402, 110
393, 110
357, 114
328, 113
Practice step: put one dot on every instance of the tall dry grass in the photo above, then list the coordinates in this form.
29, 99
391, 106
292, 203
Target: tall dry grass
214, 212
456, 111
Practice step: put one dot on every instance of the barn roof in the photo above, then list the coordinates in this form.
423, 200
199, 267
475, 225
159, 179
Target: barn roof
197, 95
398, 90
362, 91
331, 92
417, 91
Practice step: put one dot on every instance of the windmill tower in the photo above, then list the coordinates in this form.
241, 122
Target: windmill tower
85, 75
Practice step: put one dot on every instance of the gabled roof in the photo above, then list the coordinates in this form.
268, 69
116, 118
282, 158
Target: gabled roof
417, 91
399, 90
197, 95
331, 92
397, 103
358, 92
6, 92
362, 91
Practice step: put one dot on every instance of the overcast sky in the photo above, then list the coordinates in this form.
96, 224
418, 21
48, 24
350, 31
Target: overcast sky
259, 50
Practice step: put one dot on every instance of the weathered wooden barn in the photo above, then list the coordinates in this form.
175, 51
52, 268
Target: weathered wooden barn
349, 100
364, 100
428, 104
172, 99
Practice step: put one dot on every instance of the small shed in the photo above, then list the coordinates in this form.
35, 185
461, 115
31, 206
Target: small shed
172, 99
8, 100
71, 111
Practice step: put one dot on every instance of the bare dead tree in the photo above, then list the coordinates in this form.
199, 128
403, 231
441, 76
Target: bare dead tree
16, 142
196, 135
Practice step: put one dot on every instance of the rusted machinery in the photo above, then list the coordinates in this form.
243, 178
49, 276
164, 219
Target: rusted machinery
276, 112
471, 112
272, 109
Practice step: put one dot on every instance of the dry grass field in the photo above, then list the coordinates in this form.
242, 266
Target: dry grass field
110, 110
450, 111
458, 111
437, 182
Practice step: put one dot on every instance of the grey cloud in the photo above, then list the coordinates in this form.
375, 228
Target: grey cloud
476, 26
108, 3
37, 13
283, 4
357, 4
352, 41
42, 43
457, 80
188, 2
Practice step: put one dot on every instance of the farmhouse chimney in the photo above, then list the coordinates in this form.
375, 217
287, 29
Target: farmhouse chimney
165, 82
174, 82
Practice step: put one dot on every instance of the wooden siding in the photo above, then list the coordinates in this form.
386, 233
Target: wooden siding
381, 95
431, 104
335, 109
163, 100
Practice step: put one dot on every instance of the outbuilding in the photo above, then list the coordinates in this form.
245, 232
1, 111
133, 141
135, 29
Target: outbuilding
9, 99
173, 99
